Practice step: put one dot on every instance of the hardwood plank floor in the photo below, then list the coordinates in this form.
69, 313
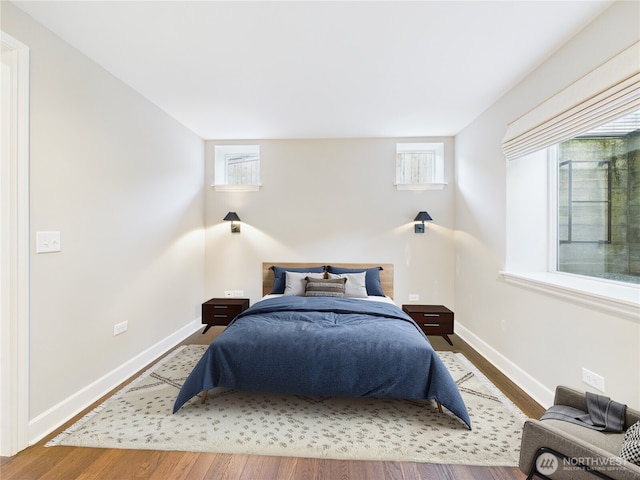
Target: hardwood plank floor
68, 463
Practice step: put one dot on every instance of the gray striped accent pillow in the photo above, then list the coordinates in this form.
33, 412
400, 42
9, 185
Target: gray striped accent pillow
321, 287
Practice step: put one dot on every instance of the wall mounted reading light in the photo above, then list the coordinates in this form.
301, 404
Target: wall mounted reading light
233, 217
421, 217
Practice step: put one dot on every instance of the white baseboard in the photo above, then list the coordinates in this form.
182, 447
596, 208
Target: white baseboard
57, 415
532, 387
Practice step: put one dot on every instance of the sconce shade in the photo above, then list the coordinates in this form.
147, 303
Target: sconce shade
422, 217
233, 217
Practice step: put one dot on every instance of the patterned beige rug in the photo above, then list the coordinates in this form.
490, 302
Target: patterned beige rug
139, 416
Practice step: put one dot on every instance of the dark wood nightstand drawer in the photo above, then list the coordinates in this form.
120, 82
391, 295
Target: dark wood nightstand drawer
220, 311
434, 324
432, 319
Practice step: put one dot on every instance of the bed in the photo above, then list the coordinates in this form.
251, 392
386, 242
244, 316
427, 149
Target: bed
305, 337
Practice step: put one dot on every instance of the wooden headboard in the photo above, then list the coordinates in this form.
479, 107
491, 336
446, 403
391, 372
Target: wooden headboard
386, 274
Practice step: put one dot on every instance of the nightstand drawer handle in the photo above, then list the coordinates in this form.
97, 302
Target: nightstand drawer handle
221, 306
430, 314
430, 324
221, 316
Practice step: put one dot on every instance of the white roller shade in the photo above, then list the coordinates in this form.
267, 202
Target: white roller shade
608, 92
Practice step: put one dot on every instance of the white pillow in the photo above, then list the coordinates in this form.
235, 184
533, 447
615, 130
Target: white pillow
294, 282
356, 286
630, 450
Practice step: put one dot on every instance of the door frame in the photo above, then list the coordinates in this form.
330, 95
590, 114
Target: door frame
14, 242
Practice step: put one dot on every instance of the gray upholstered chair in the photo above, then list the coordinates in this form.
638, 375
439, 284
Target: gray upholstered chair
555, 449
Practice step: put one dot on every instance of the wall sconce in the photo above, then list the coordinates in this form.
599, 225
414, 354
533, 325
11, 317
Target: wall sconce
233, 217
421, 217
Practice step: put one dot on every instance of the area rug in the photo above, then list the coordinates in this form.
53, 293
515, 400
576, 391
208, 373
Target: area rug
139, 417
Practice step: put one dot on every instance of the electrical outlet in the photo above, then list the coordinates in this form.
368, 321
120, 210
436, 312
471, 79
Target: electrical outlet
414, 297
238, 293
119, 328
228, 293
593, 379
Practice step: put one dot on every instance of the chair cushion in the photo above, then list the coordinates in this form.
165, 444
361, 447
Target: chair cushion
611, 442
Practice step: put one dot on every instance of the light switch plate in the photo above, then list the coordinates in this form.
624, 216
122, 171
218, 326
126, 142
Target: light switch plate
47, 242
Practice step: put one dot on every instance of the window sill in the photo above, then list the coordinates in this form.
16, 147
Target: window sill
420, 186
236, 188
613, 297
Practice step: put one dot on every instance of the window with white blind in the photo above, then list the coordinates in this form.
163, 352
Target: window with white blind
573, 173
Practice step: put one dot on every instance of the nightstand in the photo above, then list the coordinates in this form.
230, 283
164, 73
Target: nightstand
432, 319
220, 311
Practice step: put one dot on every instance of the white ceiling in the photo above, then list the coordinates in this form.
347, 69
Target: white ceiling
301, 69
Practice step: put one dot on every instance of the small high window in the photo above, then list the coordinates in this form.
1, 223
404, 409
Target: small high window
419, 166
237, 167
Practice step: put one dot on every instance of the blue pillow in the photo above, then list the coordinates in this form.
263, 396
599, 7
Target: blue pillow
279, 280
372, 278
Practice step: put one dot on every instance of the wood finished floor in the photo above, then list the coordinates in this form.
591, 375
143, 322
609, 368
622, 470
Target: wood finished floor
68, 463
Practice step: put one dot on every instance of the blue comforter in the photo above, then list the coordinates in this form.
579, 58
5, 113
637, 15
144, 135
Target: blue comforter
331, 347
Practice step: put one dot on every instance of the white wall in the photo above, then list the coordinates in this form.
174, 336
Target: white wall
123, 183
331, 200
539, 340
